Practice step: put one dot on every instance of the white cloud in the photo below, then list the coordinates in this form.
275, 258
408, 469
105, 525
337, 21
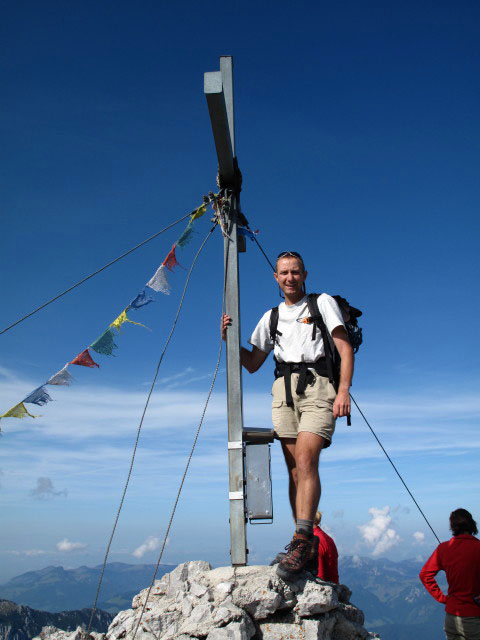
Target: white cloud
419, 537
377, 533
175, 376
30, 553
150, 544
67, 546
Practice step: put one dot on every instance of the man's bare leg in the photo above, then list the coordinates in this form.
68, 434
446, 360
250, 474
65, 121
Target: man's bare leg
307, 454
302, 457
288, 447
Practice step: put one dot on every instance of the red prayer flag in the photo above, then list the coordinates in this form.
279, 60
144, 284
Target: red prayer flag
84, 359
171, 260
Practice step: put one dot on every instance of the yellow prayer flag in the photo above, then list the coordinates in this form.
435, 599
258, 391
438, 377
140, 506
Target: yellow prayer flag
199, 212
18, 411
117, 323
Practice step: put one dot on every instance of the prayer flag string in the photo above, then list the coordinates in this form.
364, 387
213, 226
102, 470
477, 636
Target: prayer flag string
105, 343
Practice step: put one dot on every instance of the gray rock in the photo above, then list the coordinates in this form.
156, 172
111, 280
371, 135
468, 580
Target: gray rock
320, 628
316, 598
196, 602
52, 633
243, 630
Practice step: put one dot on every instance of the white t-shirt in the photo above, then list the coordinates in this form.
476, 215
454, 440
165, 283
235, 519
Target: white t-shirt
296, 344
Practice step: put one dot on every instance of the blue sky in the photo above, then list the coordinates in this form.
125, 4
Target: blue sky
358, 138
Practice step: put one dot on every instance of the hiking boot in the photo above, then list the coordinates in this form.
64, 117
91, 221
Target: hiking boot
302, 554
282, 554
278, 558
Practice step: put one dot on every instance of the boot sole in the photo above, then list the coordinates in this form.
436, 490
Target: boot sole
285, 574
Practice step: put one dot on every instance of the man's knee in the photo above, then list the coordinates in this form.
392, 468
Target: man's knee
307, 451
307, 465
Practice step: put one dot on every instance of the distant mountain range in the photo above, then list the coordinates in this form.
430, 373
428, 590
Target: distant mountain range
394, 601
57, 589
390, 594
18, 622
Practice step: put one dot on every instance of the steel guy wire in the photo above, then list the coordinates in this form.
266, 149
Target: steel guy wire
141, 423
191, 451
77, 284
395, 468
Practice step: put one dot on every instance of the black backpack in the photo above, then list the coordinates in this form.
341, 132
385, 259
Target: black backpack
349, 314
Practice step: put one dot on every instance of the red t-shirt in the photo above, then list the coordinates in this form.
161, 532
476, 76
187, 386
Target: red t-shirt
327, 556
460, 559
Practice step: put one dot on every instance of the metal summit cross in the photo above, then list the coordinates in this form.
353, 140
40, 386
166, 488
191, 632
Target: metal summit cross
218, 87
250, 486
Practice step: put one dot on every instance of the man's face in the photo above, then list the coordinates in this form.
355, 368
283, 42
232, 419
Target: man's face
290, 277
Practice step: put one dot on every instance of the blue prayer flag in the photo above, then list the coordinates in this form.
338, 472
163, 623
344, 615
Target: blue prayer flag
38, 396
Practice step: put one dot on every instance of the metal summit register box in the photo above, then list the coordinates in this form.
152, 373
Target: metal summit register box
258, 479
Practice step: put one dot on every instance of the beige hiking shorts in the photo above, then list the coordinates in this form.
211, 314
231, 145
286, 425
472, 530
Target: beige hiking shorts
312, 411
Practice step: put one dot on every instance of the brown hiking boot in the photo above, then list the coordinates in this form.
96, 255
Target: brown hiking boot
282, 554
302, 554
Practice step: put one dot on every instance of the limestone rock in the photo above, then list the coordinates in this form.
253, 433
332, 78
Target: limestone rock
196, 602
52, 633
315, 598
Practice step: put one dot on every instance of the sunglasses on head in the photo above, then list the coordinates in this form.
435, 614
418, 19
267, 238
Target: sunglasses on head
285, 254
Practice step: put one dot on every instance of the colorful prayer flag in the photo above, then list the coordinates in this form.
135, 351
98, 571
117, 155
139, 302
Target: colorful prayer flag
18, 411
198, 213
62, 377
117, 323
84, 359
141, 300
39, 396
186, 236
171, 259
105, 344
159, 281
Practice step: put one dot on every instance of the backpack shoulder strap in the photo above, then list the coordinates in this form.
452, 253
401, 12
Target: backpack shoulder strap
319, 322
315, 314
273, 325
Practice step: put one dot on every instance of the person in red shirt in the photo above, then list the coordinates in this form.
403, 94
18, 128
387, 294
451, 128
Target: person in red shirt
327, 553
460, 559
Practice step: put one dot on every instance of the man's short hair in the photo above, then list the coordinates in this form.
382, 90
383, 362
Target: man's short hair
461, 521
289, 254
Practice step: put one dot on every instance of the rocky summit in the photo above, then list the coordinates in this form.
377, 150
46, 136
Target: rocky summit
234, 603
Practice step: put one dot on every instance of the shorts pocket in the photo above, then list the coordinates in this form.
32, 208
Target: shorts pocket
277, 404
324, 405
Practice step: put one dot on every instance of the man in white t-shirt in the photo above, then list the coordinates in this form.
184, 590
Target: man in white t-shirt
305, 404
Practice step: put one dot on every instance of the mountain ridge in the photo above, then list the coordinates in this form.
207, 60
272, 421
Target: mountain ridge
19, 622
389, 592
56, 589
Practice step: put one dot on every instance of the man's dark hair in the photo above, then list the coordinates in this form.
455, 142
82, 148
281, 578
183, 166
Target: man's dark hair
461, 521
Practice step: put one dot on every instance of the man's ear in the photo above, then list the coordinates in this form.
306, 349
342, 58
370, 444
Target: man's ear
305, 274
275, 276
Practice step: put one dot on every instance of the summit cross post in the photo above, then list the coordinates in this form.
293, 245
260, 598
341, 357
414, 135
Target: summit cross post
218, 87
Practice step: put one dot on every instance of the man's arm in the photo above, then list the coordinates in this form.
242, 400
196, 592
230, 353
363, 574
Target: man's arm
251, 360
341, 406
427, 576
